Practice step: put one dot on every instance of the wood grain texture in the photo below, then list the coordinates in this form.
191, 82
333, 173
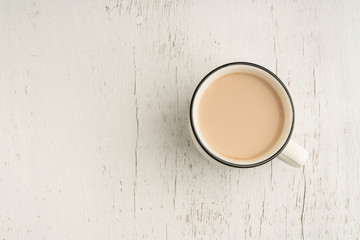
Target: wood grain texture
94, 140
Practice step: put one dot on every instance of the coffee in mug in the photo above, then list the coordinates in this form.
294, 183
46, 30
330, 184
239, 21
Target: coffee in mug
242, 115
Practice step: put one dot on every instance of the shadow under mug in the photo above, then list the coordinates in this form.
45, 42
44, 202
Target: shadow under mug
285, 149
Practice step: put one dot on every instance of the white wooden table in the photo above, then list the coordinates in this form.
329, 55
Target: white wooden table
94, 99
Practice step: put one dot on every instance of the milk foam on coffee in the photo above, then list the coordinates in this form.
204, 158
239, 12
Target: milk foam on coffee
241, 116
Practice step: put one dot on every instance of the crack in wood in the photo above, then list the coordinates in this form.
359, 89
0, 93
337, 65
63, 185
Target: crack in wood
137, 129
303, 206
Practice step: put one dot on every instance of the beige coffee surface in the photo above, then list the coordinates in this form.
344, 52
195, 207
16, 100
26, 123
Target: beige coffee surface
241, 116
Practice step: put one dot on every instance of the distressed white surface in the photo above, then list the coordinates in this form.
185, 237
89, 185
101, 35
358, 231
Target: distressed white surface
93, 120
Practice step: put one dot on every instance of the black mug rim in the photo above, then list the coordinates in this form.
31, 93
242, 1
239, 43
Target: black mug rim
222, 160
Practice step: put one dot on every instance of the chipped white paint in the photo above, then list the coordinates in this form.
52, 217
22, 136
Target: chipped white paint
93, 120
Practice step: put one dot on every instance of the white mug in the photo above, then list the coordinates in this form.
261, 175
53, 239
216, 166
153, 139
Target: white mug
286, 150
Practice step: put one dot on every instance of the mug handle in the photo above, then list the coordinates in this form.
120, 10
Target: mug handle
294, 154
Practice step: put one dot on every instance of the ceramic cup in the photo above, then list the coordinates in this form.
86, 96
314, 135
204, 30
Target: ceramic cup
285, 149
